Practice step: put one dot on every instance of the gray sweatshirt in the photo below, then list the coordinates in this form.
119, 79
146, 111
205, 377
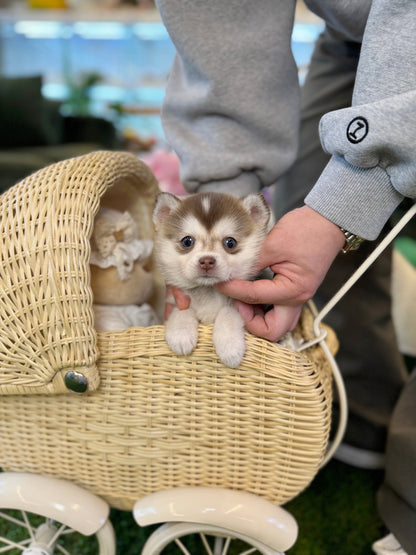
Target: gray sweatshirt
231, 110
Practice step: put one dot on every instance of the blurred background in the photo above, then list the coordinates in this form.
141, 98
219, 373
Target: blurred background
105, 58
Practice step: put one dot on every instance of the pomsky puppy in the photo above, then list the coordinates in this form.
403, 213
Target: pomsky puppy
201, 240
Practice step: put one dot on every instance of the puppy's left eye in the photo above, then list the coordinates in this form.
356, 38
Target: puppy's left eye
230, 243
187, 242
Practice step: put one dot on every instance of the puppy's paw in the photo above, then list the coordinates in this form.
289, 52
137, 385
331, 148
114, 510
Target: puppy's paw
181, 331
228, 337
181, 343
232, 352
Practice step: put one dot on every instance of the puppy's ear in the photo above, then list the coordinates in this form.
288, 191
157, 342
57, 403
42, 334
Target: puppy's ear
258, 209
165, 203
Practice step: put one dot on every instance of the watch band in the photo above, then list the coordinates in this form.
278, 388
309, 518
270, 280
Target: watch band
352, 241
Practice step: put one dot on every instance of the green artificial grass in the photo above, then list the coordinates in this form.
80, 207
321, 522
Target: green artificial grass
336, 514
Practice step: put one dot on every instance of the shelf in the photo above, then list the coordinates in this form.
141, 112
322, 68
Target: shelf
20, 12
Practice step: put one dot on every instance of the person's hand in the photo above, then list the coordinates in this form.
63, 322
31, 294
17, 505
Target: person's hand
299, 250
175, 297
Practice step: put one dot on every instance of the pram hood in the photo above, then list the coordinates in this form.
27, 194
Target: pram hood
47, 326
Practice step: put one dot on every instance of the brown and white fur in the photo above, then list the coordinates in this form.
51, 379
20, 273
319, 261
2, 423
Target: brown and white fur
202, 240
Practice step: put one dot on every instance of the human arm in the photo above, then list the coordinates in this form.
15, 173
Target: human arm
367, 179
231, 108
373, 164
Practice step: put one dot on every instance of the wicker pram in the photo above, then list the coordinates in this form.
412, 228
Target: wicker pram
149, 420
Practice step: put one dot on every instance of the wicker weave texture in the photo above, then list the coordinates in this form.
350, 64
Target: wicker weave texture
45, 294
160, 421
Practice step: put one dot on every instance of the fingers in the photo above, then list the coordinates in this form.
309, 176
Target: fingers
251, 292
279, 290
182, 301
175, 297
271, 325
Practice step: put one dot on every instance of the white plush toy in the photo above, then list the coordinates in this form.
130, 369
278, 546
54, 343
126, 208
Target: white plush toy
120, 281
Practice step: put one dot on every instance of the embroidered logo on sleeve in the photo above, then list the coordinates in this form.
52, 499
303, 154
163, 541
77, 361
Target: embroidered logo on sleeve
357, 130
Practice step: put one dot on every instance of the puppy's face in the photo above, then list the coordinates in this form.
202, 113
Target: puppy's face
208, 238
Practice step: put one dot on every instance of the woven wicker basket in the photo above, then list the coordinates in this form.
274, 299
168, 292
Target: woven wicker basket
149, 420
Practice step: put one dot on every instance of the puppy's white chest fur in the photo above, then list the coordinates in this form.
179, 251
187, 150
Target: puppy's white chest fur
202, 240
206, 303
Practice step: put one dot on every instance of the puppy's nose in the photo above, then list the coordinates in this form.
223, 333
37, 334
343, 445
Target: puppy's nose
207, 262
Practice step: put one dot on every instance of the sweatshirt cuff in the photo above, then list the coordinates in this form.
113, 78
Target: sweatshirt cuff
360, 200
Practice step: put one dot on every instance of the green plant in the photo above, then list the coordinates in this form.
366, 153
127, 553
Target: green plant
79, 93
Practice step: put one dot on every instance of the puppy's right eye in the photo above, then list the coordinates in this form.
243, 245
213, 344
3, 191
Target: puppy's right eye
187, 242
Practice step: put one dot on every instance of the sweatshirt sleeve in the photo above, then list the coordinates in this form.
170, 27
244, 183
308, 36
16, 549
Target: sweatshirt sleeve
372, 143
231, 110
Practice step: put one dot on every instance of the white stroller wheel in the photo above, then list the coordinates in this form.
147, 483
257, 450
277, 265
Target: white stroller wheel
202, 539
41, 515
33, 534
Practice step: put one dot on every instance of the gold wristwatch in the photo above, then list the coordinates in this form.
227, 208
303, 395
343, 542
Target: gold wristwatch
352, 241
